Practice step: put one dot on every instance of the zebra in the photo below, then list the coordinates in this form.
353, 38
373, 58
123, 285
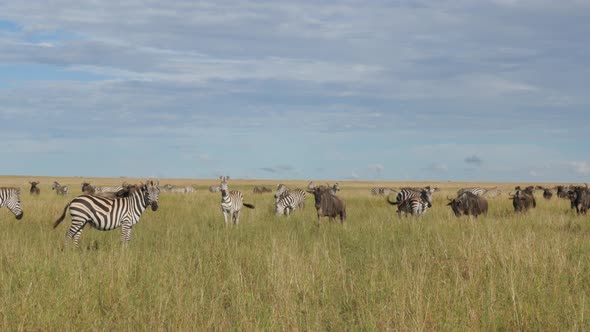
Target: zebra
382, 191
59, 189
289, 201
415, 204
231, 202
34, 189
299, 194
106, 213
408, 192
182, 190
110, 189
214, 189
10, 198
477, 191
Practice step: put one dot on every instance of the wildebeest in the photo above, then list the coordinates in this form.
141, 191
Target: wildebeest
522, 200
328, 204
562, 191
34, 189
261, 190
547, 192
87, 188
580, 198
469, 204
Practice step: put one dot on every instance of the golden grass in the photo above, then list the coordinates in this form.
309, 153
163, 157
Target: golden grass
184, 270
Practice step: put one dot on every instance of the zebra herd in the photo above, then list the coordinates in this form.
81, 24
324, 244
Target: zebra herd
110, 207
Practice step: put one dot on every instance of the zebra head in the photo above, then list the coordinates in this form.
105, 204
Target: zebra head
223, 185
12, 202
426, 195
150, 192
281, 189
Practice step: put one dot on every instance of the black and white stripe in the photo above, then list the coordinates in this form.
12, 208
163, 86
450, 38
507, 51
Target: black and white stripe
214, 189
10, 198
298, 195
231, 202
290, 200
105, 213
59, 189
108, 189
477, 191
410, 200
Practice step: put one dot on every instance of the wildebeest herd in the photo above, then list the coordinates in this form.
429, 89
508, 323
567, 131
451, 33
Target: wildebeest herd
110, 207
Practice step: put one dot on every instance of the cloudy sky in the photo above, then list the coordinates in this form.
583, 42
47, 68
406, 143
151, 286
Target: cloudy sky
371, 90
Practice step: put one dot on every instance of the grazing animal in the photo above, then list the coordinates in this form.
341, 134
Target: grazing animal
562, 191
415, 202
290, 200
382, 191
468, 204
214, 189
547, 192
106, 213
407, 192
87, 188
580, 198
10, 197
109, 189
261, 190
59, 189
299, 195
328, 204
478, 191
523, 200
231, 202
34, 189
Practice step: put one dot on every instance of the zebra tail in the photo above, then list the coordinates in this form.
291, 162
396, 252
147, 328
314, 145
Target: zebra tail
248, 205
63, 215
390, 202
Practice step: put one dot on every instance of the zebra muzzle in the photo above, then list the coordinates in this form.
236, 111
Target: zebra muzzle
154, 206
19, 216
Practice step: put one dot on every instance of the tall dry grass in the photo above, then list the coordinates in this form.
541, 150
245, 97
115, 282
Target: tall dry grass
184, 270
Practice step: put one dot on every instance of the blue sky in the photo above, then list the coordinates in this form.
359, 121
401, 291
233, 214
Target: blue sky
343, 90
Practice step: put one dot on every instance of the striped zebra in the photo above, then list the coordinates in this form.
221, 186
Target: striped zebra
289, 201
335, 188
231, 202
59, 189
382, 191
298, 195
10, 197
214, 189
416, 205
182, 190
109, 189
106, 213
407, 192
477, 191
87, 188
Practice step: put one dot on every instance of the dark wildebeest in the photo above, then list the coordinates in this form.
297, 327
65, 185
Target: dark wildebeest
328, 205
580, 198
547, 192
469, 204
261, 190
87, 188
34, 189
523, 200
562, 191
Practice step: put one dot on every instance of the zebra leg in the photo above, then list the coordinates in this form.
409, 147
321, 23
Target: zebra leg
126, 233
225, 217
237, 217
74, 233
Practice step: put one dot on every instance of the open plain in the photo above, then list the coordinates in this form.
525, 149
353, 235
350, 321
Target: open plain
185, 270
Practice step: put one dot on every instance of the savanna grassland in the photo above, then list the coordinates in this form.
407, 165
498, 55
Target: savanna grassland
184, 270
